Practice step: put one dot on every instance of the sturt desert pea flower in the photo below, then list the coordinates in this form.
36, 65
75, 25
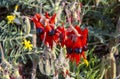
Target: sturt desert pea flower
77, 50
50, 35
82, 42
11, 19
84, 36
79, 44
74, 49
69, 44
27, 44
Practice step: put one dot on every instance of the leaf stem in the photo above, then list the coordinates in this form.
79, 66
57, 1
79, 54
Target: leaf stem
71, 26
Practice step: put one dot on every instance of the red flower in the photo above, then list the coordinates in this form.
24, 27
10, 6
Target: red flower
84, 36
76, 45
48, 29
50, 35
77, 50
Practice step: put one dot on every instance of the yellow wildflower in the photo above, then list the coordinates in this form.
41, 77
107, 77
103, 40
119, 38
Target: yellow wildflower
27, 44
10, 18
86, 62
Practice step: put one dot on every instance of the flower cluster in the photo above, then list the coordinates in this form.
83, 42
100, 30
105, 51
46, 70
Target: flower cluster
75, 45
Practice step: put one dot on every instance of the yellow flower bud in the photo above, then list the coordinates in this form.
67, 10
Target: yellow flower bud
16, 7
86, 62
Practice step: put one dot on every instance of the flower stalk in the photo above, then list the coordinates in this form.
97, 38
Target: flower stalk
70, 24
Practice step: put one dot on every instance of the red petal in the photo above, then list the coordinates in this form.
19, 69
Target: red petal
77, 43
48, 40
52, 20
55, 38
37, 24
47, 15
68, 43
34, 20
77, 58
38, 16
78, 29
85, 32
48, 28
85, 35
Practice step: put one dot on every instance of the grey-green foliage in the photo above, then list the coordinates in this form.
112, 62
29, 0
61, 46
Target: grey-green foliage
98, 20
101, 20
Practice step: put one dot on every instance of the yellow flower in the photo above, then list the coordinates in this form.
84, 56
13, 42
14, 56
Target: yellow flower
16, 7
86, 62
10, 18
27, 44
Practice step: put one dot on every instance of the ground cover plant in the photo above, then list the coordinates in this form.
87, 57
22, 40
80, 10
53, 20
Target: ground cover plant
59, 39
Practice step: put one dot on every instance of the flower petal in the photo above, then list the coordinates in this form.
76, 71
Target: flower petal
52, 19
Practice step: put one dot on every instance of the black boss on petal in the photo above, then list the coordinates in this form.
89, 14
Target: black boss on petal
51, 33
39, 30
78, 50
69, 50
